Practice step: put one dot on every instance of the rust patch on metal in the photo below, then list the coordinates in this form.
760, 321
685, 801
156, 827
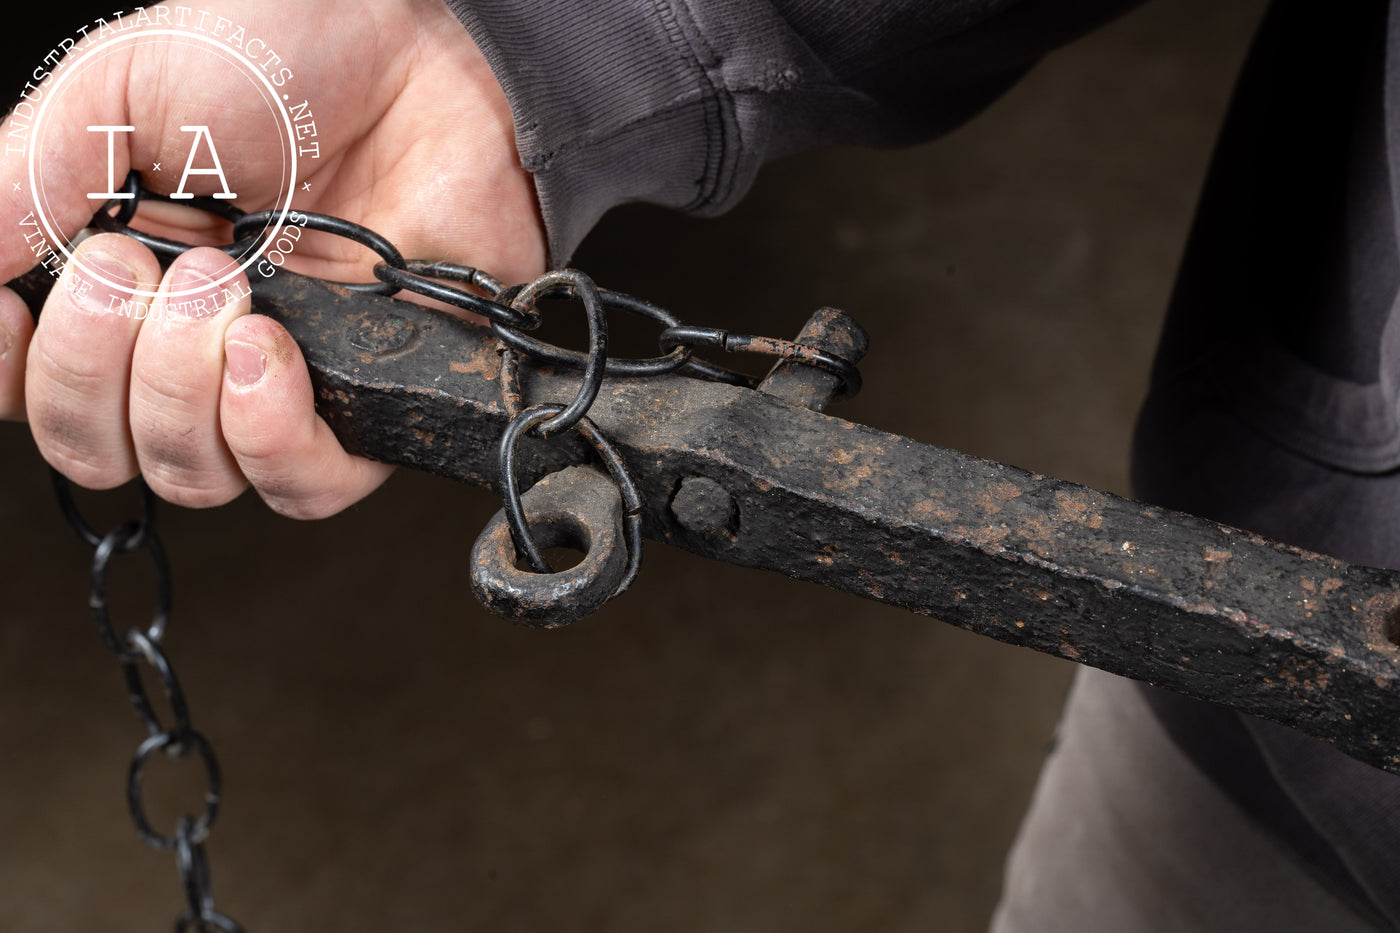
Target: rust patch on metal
1080, 505
1382, 624
477, 365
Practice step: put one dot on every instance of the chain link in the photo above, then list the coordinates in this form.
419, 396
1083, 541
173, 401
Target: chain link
525, 419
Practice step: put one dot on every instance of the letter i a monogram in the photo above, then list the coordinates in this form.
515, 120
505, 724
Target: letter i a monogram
111, 132
200, 132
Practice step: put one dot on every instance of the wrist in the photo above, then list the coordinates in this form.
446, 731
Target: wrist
449, 67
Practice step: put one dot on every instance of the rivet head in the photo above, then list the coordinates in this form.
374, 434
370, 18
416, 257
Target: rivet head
381, 333
703, 506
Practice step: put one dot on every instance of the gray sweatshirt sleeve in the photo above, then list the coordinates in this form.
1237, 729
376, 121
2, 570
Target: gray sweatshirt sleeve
678, 102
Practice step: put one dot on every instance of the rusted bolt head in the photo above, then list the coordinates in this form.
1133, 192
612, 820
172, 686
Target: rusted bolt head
703, 506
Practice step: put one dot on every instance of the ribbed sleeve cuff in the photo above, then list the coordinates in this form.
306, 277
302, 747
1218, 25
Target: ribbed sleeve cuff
613, 102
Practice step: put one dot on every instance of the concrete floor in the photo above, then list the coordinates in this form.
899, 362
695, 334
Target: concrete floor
721, 749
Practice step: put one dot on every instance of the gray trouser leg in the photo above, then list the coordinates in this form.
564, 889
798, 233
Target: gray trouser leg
1125, 835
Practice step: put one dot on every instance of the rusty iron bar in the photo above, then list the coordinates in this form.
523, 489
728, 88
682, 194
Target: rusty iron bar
1187, 604
755, 478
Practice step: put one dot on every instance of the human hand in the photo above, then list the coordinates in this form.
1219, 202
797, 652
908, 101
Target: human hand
201, 397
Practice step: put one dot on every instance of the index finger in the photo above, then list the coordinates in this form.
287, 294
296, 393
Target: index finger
53, 164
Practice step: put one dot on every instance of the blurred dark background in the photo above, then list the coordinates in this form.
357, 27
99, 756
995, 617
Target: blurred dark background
720, 749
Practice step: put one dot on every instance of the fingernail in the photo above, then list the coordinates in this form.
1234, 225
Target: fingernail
4, 342
246, 364
193, 295
103, 284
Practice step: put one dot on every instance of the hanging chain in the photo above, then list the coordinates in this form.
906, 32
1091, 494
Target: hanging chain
136, 648
510, 311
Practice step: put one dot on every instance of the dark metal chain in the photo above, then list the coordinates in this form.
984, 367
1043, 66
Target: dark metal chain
135, 648
511, 311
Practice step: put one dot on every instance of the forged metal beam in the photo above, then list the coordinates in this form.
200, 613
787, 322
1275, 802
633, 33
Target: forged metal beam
1187, 604
753, 478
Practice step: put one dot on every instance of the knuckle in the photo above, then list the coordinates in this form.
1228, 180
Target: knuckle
183, 463
67, 442
298, 505
177, 443
159, 389
172, 455
87, 474
257, 448
78, 373
84, 469
309, 511
192, 489
292, 493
